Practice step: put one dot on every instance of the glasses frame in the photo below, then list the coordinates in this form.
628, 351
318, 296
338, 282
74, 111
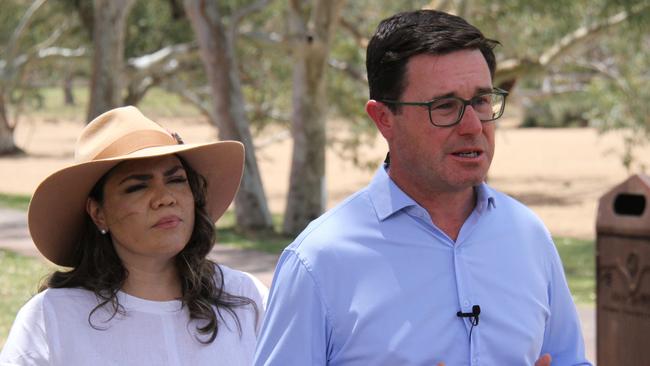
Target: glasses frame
464, 102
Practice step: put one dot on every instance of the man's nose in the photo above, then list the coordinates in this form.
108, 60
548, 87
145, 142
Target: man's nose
470, 123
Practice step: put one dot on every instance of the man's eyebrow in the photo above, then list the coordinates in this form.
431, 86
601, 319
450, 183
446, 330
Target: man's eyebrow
484, 90
477, 91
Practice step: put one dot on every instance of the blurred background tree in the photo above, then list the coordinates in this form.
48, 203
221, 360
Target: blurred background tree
567, 64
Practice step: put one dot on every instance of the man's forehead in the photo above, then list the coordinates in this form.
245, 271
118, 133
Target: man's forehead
457, 72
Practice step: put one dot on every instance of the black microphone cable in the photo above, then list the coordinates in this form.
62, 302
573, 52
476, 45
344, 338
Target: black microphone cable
476, 311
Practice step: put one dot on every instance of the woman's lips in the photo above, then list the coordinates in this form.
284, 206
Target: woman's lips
167, 222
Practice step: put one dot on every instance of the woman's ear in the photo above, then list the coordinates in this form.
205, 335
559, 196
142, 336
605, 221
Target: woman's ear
382, 116
96, 213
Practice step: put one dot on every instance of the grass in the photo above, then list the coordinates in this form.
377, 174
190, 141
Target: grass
20, 277
157, 103
17, 201
269, 242
578, 258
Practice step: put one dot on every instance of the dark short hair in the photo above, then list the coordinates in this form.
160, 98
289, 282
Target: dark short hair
408, 34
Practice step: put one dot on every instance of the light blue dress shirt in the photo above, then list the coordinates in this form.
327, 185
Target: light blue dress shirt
375, 282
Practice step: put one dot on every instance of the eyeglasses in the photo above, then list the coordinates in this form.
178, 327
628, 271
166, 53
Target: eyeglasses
448, 111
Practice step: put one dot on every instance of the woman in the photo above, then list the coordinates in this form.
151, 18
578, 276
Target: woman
134, 219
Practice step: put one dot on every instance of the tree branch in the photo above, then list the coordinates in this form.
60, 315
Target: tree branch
181, 89
164, 54
348, 69
512, 69
20, 29
240, 14
582, 35
361, 40
245, 11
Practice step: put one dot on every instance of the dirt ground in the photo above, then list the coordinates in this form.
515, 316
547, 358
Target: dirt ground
559, 173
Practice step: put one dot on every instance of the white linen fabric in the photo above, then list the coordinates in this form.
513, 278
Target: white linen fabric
53, 329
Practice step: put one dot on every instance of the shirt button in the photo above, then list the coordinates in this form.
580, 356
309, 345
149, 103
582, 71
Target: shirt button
465, 303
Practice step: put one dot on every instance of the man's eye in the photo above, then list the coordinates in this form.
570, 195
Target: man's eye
482, 100
444, 105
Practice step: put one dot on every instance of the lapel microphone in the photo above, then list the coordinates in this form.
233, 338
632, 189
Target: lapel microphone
476, 310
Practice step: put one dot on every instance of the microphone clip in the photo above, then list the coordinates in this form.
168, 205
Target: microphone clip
476, 311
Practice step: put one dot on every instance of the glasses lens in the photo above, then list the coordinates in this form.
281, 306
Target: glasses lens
445, 111
489, 106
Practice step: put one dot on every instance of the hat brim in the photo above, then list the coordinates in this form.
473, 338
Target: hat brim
57, 210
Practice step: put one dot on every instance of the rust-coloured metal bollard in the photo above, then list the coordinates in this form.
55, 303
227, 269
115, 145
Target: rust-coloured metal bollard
623, 274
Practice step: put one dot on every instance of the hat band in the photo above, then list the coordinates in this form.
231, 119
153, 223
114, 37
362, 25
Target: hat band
135, 141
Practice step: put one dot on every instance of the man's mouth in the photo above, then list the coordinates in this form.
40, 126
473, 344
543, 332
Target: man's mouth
468, 154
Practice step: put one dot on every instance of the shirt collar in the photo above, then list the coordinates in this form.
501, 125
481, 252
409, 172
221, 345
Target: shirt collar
484, 198
388, 198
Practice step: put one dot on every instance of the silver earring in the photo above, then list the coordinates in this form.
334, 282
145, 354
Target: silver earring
103, 231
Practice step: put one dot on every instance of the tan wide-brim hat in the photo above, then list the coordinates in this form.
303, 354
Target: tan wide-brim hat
57, 211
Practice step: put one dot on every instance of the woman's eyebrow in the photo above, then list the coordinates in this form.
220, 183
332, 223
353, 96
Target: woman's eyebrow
140, 177
147, 176
173, 170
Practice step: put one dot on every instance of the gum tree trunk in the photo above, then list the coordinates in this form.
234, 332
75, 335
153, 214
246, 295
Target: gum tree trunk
312, 24
218, 55
7, 143
108, 59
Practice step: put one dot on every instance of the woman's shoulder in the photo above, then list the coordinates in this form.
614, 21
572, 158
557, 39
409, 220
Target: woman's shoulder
241, 283
57, 296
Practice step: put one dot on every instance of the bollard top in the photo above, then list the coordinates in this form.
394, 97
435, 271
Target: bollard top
625, 209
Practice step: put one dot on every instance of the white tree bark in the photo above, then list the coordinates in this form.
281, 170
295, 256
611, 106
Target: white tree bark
108, 59
9, 71
216, 45
312, 25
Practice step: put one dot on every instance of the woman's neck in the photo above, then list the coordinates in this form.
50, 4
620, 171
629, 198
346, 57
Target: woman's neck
152, 282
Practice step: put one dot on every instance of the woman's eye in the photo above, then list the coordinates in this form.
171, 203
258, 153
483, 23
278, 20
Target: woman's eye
135, 188
178, 180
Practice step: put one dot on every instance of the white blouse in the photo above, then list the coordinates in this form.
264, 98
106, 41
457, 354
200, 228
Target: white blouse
53, 329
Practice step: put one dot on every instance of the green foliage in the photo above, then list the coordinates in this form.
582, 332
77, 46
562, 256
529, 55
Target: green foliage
578, 258
620, 92
18, 201
20, 277
154, 24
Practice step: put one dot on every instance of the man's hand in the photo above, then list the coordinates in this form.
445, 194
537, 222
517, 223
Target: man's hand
544, 360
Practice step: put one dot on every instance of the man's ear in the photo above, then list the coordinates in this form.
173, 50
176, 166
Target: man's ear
382, 116
96, 213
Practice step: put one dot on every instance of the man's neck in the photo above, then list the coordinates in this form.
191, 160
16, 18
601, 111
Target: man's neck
448, 209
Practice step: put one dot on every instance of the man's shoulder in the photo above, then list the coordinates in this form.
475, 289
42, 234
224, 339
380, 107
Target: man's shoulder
517, 215
336, 224
506, 203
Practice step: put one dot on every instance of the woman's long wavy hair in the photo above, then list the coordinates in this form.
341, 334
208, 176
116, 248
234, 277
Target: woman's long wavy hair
97, 267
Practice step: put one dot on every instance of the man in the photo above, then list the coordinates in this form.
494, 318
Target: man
427, 264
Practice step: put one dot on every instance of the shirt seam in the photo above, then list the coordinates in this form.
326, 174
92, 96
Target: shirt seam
308, 269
